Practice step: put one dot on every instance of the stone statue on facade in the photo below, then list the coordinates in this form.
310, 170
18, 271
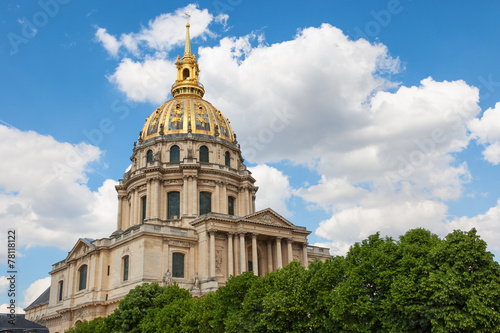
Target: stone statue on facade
167, 278
196, 282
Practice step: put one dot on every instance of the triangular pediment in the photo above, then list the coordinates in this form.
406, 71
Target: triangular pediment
269, 216
81, 248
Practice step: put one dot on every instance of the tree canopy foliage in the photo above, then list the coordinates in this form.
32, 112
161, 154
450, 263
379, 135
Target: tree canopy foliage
420, 283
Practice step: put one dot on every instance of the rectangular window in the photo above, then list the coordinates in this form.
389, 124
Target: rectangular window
125, 268
178, 265
108, 270
230, 205
83, 278
60, 291
205, 202
144, 203
173, 205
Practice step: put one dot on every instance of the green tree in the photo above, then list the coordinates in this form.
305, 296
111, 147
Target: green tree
97, 325
324, 278
357, 302
464, 285
406, 308
227, 314
134, 307
167, 311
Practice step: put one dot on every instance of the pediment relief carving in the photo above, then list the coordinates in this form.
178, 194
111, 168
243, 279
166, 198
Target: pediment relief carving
270, 217
80, 250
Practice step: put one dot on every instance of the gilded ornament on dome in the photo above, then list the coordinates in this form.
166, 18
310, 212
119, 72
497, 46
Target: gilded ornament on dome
155, 119
201, 111
175, 120
200, 119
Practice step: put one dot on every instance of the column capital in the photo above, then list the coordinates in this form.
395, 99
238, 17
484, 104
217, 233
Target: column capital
254, 234
212, 231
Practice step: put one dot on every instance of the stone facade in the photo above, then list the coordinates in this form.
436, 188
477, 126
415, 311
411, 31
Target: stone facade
186, 214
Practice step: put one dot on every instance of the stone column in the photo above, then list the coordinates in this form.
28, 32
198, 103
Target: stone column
217, 198
202, 256
91, 272
230, 269
255, 258
279, 264
166, 261
224, 208
243, 261
156, 204
132, 209
240, 203
248, 200
212, 252
148, 198
137, 209
194, 197
236, 250
305, 260
269, 256
289, 250
185, 196
119, 216
72, 278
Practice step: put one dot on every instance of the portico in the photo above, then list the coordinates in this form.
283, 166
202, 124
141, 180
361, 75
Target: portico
261, 242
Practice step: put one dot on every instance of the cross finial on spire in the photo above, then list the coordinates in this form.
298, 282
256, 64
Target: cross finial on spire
187, 48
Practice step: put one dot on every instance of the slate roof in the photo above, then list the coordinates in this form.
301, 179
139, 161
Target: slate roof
21, 325
43, 298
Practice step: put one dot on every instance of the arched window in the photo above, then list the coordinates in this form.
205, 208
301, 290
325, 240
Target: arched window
175, 155
205, 202
177, 265
227, 158
185, 74
204, 154
83, 278
149, 156
230, 205
60, 291
173, 205
144, 203
125, 268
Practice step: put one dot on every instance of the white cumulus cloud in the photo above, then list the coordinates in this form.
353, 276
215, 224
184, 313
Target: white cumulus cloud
386, 152
274, 189
161, 33
44, 195
4, 309
144, 81
35, 290
486, 225
487, 131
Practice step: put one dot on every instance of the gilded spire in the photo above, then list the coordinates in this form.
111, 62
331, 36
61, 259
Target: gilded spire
187, 48
187, 71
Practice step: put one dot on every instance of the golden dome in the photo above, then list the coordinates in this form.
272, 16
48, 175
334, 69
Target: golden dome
187, 112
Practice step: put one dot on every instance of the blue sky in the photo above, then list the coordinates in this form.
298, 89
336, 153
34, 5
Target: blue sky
387, 113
